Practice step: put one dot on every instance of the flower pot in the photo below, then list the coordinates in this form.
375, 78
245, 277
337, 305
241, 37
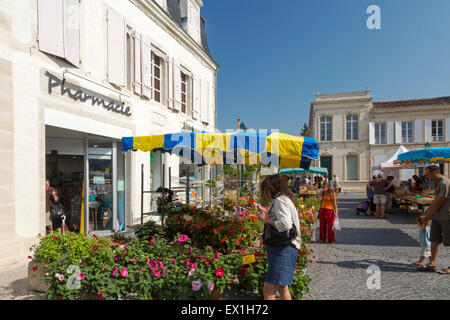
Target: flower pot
36, 275
215, 294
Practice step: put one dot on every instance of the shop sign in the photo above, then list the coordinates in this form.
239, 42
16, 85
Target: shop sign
83, 95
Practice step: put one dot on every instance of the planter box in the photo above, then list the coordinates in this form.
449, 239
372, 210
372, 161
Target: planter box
35, 277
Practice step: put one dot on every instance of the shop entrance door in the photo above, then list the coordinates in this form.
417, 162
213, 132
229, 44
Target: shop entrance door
100, 186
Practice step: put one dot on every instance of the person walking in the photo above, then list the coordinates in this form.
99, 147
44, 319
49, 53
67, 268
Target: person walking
282, 215
49, 194
390, 193
379, 198
424, 236
57, 213
328, 212
335, 183
439, 213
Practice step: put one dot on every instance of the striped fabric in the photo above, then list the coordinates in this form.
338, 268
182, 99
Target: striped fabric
231, 148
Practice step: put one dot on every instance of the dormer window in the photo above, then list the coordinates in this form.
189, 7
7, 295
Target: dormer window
190, 13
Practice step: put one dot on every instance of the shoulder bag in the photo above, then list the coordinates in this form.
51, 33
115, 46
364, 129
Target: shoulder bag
273, 237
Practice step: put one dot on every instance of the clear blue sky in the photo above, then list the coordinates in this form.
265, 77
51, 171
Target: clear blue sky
275, 54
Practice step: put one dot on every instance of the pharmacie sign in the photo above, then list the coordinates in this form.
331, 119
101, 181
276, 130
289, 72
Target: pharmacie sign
83, 95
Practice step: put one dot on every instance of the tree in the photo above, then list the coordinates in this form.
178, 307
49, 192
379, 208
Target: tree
305, 130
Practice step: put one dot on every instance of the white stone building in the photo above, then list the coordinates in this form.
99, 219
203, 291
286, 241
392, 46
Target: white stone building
355, 133
76, 77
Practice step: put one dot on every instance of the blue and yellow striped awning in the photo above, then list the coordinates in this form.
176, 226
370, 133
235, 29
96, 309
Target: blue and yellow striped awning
271, 148
435, 155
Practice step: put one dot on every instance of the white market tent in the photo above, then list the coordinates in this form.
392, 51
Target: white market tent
388, 167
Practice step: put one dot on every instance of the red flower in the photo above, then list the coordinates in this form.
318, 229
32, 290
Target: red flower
220, 272
243, 272
35, 268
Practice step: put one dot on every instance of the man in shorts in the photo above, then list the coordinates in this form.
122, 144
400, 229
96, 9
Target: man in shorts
440, 211
379, 197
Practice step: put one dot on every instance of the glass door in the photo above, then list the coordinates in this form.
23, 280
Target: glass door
100, 185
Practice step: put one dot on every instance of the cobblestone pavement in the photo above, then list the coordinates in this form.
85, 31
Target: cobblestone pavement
339, 271
14, 284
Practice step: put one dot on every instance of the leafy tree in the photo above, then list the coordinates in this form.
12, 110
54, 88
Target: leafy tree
305, 130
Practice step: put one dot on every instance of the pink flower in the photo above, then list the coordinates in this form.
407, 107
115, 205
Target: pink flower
124, 273
153, 240
211, 287
161, 265
164, 271
61, 277
220, 272
114, 271
196, 285
191, 273
207, 262
187, 262
156, 273
133, 260
153, 264
183, 238
35, 268
193, 266
100, 295
81, 276
217, 255
174, 261
138, 270
190, 250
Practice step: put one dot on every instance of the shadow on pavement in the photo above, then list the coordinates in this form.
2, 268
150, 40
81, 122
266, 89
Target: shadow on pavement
364, 264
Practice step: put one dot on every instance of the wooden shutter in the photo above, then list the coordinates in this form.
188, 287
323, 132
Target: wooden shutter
204, 101
72, 31
428, 137
196, 100
116, 48
371, 133
51, 27
447, 129
418, 131
398, 132
177, 85
146, 52
390, 132
171, 93
137, 64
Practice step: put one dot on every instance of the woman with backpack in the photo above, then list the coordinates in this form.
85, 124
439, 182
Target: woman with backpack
56, 212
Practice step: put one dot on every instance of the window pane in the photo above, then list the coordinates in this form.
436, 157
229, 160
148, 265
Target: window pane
157, 96
157, 84
352, 168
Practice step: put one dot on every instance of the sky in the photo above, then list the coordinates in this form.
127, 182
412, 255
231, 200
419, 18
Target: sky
274, 55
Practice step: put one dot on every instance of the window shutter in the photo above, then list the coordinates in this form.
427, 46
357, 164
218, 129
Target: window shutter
418, 131
146, 52
171, 93
428, 137
137, 64
51, 27
204, 101
72, 31
371, 133
116, 48
447, 129
196, 92
398, 132
177, 85
390, 132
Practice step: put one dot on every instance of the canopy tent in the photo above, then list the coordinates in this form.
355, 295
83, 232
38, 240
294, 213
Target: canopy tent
231, 148
317, 170
388, 162
436, 155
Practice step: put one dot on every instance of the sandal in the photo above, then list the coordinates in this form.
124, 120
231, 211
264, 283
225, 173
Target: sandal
417, 264
427, 268
444, 271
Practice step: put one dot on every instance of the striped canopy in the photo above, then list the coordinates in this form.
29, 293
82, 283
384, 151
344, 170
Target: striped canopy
317, 170
272, 148
435, 155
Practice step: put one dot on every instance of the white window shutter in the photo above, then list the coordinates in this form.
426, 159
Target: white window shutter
390, 132
398, 132
72, 31
51, 27
171, 94
418, 131
196, 100
204, 101
371, 133
177, 85
447, 129
137, 64
428, 137
146, 52
116, 48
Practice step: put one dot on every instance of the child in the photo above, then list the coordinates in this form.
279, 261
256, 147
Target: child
424, 242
